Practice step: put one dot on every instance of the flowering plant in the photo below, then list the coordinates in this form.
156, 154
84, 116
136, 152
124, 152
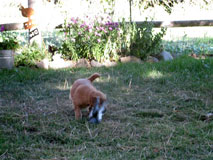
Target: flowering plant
101, 39
89, 38
8, 41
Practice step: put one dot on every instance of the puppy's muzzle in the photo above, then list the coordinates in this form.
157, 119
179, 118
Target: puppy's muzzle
97, 112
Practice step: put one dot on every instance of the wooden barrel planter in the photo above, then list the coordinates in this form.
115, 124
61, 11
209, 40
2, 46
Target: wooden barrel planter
6, 59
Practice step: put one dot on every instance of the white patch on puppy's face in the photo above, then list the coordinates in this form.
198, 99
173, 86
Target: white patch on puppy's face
91, 113
100, 113
95, 108
96, 114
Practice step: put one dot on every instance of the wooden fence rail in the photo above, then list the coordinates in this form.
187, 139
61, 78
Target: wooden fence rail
185, 23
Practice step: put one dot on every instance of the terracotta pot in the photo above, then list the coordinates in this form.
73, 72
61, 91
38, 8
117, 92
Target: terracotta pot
6, 59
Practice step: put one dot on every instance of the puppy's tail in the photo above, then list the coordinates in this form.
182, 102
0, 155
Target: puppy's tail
93, 77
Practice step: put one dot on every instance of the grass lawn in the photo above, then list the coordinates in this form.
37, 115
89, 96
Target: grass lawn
154, 113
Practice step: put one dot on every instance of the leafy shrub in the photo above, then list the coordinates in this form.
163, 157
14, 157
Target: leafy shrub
144, 42
30, 55
125, 37
8, 41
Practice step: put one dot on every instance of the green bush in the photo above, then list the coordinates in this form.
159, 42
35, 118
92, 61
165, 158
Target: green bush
144, 42
8, 40
30, 55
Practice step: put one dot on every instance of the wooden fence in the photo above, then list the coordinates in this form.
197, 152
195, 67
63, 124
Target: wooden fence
185, 23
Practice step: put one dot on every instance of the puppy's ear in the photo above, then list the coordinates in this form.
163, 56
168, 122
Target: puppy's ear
94, 101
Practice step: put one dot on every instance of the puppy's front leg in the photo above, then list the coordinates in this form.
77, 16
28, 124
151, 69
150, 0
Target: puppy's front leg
78, 114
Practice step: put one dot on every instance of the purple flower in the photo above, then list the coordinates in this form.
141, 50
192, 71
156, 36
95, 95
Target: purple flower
82, 25
108, 23
2, 28
116, 24
112, 25
98, 40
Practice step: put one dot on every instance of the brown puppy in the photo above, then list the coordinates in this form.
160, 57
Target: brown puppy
84, 94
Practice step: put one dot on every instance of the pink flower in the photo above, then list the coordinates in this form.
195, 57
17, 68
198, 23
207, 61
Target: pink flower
102, 28
105, 31
90, 26
98, 40
74, 20
98, 34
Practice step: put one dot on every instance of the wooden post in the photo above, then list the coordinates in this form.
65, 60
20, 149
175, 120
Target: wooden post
130, 11
35, 32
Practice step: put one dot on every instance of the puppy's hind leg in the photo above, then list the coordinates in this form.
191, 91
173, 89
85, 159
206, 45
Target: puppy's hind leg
78, 114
